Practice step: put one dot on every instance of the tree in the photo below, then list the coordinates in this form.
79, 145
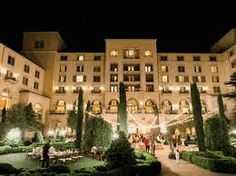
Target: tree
88, 109
122, 109
97, 132
197, 116
232, 95
217, 135
80, 116
33, 121
155, 131
120, 152
4, 114
221, 108
72, 120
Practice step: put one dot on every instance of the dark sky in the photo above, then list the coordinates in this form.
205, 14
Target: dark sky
179, 26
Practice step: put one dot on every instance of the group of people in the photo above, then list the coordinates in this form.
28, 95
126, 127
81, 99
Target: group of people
139, 140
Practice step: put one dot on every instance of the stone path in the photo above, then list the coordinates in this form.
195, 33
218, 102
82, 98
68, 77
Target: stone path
184, 168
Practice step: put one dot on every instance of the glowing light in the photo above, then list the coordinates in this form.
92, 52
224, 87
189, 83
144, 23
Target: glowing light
160, 88
56, 88
51, 133
115, 135
233, 132
13, 137
69, 106
61, 133
66, 88
163, 129
4, 70
102, 88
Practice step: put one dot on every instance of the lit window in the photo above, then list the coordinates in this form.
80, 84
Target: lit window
62, 78
114, 78
131, 53
164, 79
63, 68
164, 68
38, 109
214, 69
197, 69
114, 53
61, 106
148, 68
215, 79
79, 78
80, 57
148, 53
114, 88
182, 79
114, 67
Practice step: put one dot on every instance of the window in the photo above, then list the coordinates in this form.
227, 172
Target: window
197, 69
61, 90
215, 79
214, 69
114, 88
114, 78
131, 53
148, 53
11, 60
231, 53
196, 58
233, 64
62, 78
63, 68
181, 69
131, 67
64, 58
165, 79
216, 89
180, 58
80, 57
39, 44
182, 79
80, 68
36, 85
114, 67
26, 68
97, 69
199, 79
97, 58
164, 58
25, 81
96, 89
79, 78
183, 90
166, 89
96, 79
149, 78
131, 77
149, 88
37, 74
148, 68
212, 58
114, 53
164, 68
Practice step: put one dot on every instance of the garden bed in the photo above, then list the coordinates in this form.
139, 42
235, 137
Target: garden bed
212, 161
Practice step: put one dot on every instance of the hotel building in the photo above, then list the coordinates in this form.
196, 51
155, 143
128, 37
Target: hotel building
49, 77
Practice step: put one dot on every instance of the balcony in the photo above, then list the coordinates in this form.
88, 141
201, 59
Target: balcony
61, 91
10, 79
166, 91
96, 91
184, 91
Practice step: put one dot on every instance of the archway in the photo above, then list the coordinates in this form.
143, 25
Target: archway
61, 106
113, 106
5, 100
96, 107
166, 107
149, 106
132, 105
184, 107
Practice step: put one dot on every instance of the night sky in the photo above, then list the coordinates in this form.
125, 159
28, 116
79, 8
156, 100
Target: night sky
178, 26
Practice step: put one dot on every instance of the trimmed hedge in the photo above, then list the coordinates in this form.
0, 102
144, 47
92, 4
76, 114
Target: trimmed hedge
8, 149
210, 161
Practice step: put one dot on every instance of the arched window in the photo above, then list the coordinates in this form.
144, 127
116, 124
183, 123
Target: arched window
204, 106
184, 107
166, 107
5, 99
132, 105
149, 106
113, 106
96, 107
61, 106
38, 109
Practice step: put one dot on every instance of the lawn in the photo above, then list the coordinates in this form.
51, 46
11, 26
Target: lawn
18, 160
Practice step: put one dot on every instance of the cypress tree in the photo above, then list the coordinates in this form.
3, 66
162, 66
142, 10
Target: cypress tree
221, 108
80, 116
197, 116
122, 109
88, 109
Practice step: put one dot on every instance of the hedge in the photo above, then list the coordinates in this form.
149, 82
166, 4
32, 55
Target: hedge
8, 149
210, 161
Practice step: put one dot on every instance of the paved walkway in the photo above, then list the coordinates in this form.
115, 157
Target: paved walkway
184, 168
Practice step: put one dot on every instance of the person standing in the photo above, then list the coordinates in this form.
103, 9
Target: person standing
46, 148
177, 155
146, 142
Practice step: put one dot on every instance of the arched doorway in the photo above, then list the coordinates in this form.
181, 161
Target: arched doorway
149, 106
38, 109
5, 100
96, 107
184, 107
113, 106
61, 106
132, 105
166, 107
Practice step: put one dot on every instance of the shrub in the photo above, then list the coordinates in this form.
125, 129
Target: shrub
38, 137
5, 149
6, 168
59, 169
13, 137
120, 152
27, 142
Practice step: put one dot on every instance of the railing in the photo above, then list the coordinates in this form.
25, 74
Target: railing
96, 91
60, 91
10, 78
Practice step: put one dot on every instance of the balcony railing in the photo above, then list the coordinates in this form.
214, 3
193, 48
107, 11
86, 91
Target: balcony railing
60, 91
10, 79
96, 91
166, 91
184, 91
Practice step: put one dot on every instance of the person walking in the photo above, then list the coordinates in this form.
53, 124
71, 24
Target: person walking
46, 148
